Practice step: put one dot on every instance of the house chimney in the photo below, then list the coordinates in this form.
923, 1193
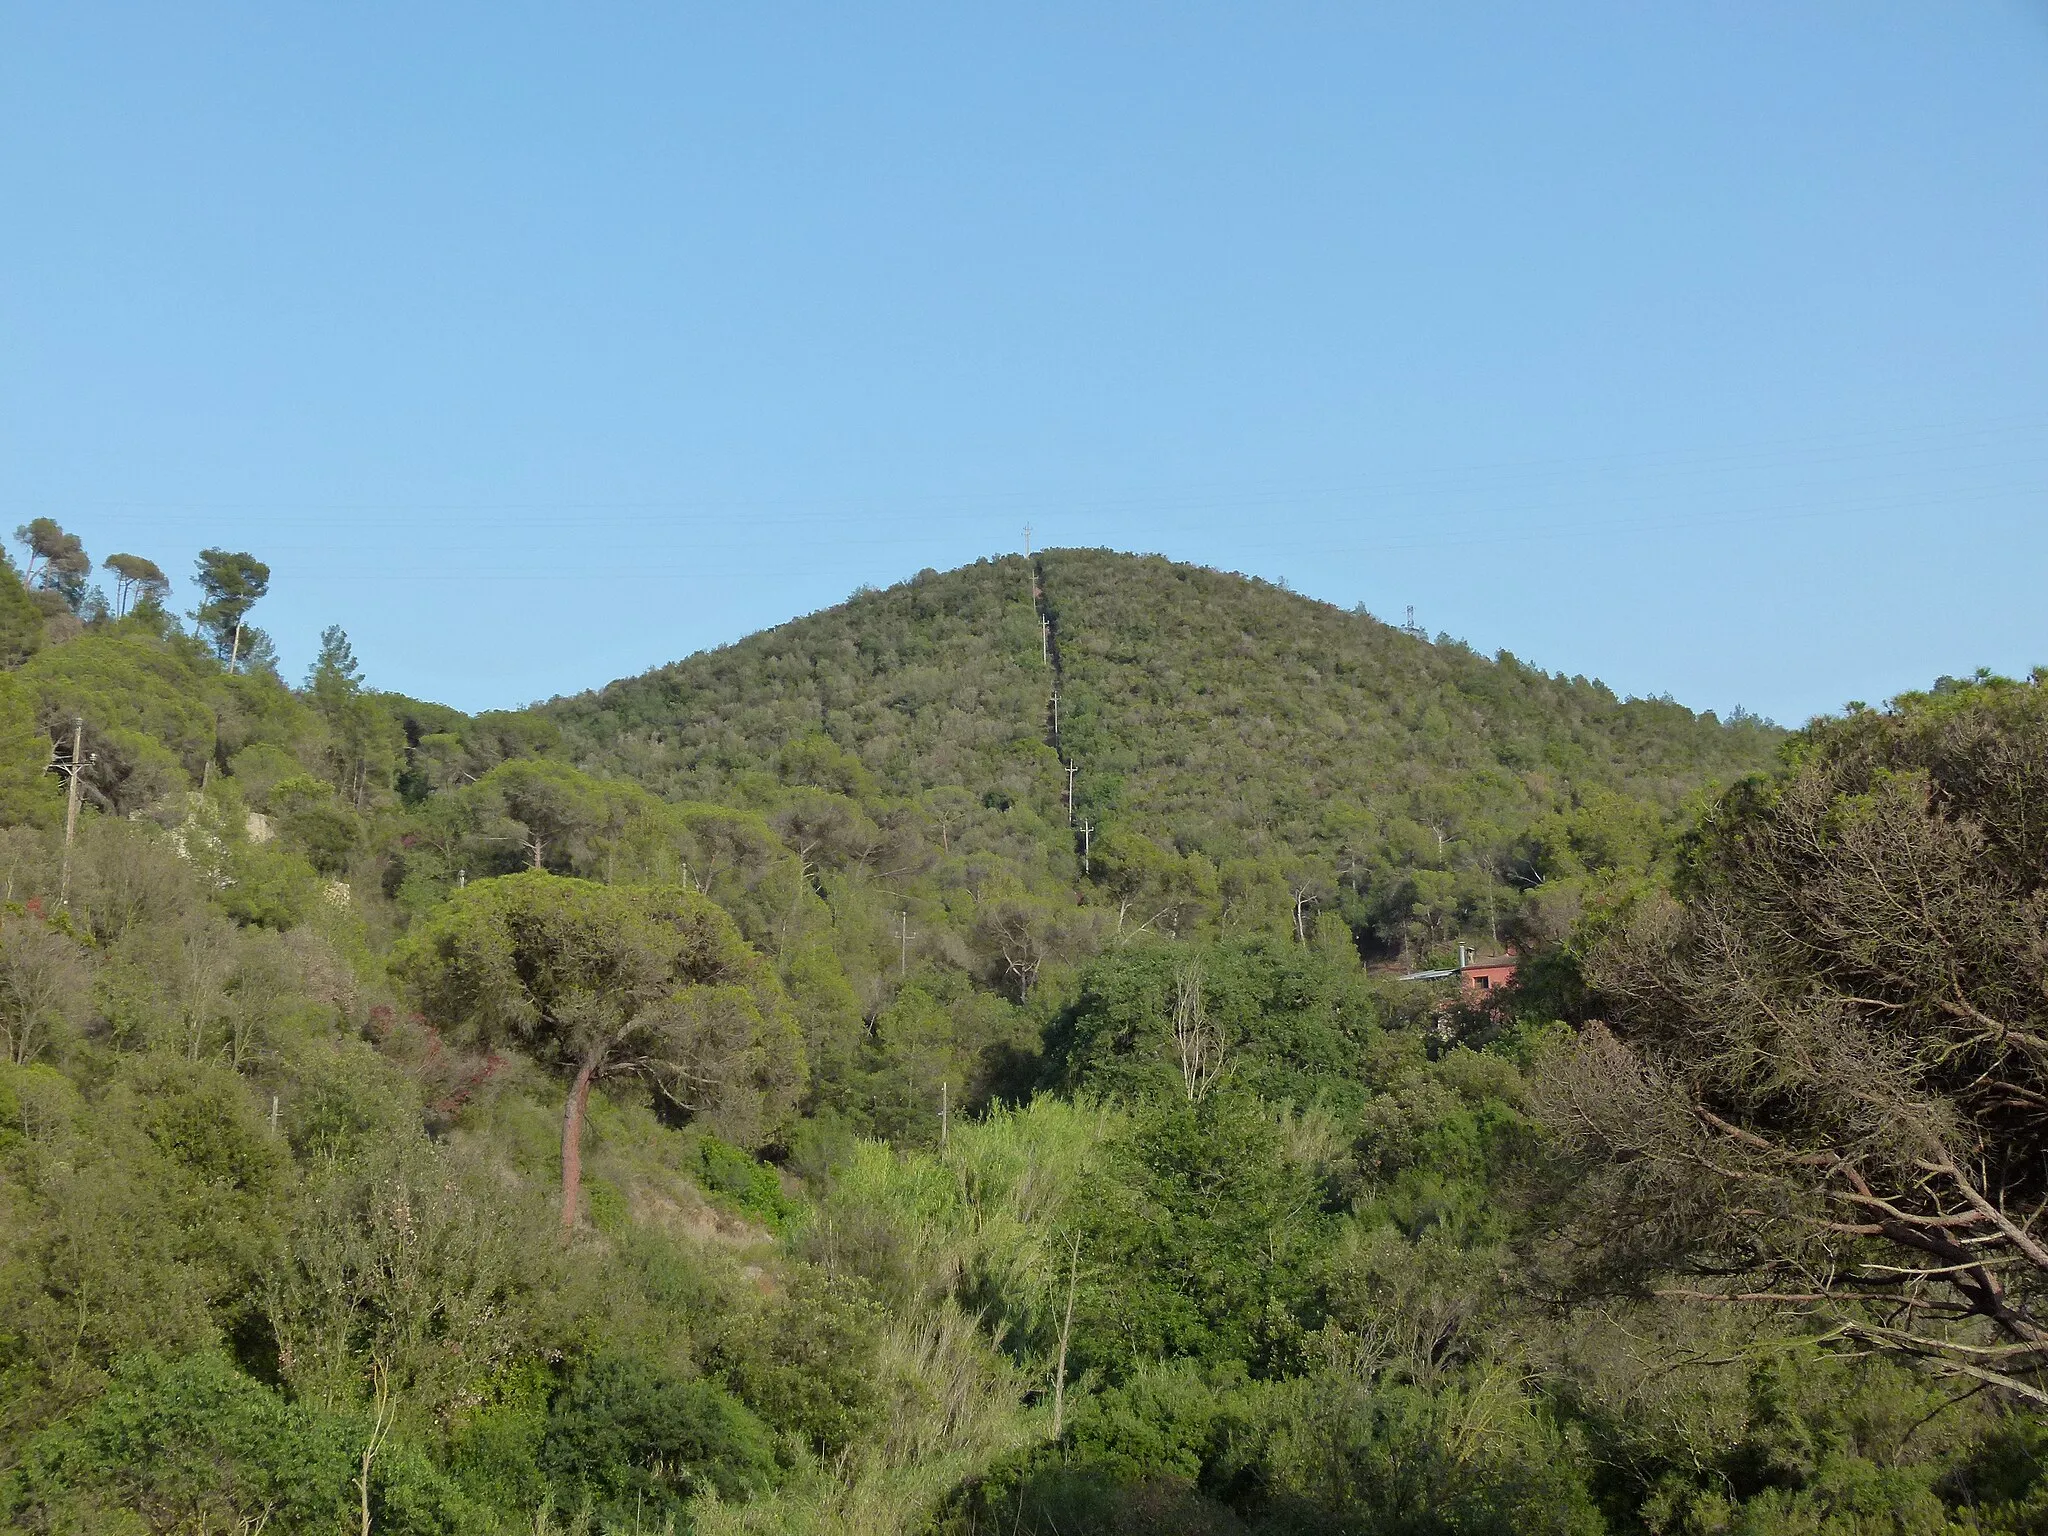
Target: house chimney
1464, 956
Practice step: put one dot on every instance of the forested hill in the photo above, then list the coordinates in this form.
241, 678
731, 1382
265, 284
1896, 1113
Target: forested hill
411, 1124
1234, 744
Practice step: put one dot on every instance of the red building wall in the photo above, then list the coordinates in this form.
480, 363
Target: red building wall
1479, 980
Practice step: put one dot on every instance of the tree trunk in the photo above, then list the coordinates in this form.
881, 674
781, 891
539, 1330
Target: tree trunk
572, 1142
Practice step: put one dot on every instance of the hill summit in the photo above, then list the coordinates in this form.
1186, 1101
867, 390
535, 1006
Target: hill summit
1185, 744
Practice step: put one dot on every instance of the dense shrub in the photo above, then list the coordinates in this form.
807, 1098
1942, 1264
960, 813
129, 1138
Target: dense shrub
806, 1362
637, 1442
193, 1444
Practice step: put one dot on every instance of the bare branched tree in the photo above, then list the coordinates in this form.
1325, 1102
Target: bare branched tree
1823, 1080
1197, 1039
1020, 933
44, 987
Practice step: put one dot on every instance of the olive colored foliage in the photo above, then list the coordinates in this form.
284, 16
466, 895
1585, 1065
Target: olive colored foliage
945, 1152
1181, 1021
1244, 755
1822, 1066
602, 981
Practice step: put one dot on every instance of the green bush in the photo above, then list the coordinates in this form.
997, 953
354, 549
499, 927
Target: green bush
637, 1442
269, 886
1289, 1024
735, 1179
805, 1362
1200, 1238
202, 1118
494, 1454
348, 1097
193, 1444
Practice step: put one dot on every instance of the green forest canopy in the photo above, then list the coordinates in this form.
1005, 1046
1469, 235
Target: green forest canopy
760, 1096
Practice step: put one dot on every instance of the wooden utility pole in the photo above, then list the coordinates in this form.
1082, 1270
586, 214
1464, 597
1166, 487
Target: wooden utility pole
71, 808
1087, 843
1073, 769
944, 1114
903, 944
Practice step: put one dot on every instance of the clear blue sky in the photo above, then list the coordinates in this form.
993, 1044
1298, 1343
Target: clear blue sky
1700, 348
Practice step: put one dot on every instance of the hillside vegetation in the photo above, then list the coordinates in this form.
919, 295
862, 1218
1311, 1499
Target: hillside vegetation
756, 1098
1243, 755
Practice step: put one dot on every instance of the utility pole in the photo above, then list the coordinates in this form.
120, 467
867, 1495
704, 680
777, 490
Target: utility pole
903, 944
944, 1114
1045, 638
1027, 541
71, 808
1087, 840
1073, 769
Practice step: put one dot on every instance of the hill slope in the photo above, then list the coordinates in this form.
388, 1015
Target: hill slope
399, 1125
1232, 743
